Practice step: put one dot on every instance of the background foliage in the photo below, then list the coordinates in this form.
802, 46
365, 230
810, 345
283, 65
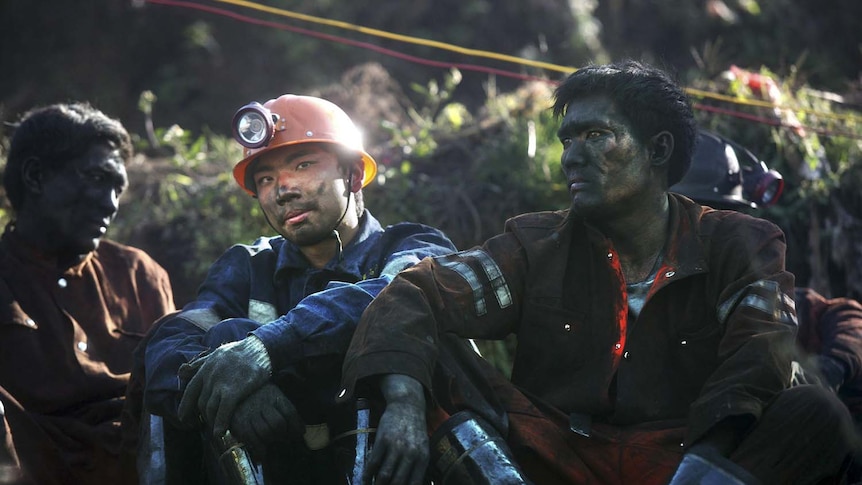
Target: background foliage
458, 150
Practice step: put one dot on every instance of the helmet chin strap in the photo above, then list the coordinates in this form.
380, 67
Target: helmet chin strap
339, 246
334, 232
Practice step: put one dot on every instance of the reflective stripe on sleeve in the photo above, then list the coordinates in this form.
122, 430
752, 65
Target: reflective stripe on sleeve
206, 318
203, 318
492, 274
398, 264
469, 275
261, 311
762, 295
495, 276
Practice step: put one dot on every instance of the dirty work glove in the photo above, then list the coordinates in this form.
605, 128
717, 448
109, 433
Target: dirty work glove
222, 379
401, 450
264, 416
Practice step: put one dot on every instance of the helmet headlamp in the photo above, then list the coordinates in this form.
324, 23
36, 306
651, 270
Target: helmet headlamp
762, 185
253, 125
291, 120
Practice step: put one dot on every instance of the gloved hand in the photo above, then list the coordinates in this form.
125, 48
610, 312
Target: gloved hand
222, 379
400, 454
263, 416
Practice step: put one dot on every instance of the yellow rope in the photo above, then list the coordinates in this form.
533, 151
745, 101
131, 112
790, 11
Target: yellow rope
507, 58
402, 38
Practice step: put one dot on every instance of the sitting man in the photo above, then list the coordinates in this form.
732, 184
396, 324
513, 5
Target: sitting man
725, 175
654, 336
830, 334
259, 351
73, 306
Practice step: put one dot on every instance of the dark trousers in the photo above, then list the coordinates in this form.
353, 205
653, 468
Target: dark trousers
805, 435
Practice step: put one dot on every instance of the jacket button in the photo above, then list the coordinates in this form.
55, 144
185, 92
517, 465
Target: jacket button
567, 327
610, 255
342, 393
62, 283
683, 342
669, 274
618, 346
82, 346
626, 355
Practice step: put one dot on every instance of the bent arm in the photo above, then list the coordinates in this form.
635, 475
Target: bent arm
181, 337
176, 342
469, 294
322, 324
401, 452
841, 334
756, 313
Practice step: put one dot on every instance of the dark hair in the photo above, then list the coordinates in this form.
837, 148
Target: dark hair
56, 134
648, 97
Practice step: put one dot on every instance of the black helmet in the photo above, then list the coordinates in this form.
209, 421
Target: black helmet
725, 175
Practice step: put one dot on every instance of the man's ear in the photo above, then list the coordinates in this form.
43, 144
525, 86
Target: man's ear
33, 175
661, 148
356, 173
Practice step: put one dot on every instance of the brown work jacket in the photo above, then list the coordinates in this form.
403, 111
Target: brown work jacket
66, 344
833, 327
714, 338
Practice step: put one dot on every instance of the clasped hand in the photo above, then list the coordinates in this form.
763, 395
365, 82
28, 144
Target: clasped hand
221, 380
401, 451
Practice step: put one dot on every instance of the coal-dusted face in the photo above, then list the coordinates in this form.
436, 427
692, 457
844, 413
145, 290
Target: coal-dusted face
76, 202
303, 191
606, 167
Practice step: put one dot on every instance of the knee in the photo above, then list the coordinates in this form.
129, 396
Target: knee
817, 411
813, 400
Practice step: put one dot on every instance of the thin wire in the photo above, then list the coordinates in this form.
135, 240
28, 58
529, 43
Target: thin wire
342, 40
493, 55
475, 67
402, 38
767, 104
773, 122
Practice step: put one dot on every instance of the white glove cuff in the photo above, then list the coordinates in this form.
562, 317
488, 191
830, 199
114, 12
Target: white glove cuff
259, 354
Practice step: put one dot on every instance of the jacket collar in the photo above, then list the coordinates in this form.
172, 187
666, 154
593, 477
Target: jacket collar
685, 250
684, 254
18, 249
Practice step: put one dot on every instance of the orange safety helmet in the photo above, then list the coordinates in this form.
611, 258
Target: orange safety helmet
290, 120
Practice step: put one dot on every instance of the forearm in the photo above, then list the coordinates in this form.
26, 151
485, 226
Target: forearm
401, 449
840, 329
403, 389
175, 343
321, 325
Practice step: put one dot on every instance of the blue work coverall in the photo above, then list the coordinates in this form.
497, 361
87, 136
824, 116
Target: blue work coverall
305, 316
